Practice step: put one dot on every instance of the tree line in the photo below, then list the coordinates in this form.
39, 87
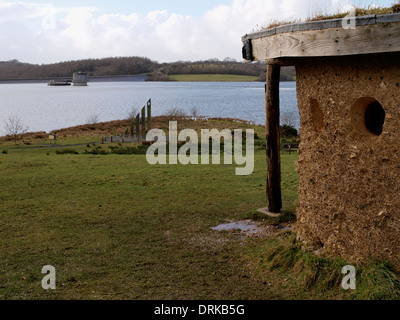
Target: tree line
15, 69
94, 67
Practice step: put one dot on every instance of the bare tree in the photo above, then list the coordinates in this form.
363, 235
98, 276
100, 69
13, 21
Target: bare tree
288, 118
194, 112
176, 113
14, 127
93, 119
133, 113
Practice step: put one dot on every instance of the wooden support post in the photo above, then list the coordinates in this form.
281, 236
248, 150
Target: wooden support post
149, 115
274, 193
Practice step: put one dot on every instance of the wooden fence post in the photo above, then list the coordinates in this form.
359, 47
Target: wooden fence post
274, 193
137, 127
143, 132
149, 115
132, 127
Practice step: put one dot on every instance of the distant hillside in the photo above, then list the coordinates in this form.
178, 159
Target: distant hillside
95, 67
135, 65
214, 66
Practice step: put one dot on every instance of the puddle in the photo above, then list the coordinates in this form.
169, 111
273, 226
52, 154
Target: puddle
250, 227
247, 225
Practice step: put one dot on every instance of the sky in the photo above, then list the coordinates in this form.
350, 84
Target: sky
43, 32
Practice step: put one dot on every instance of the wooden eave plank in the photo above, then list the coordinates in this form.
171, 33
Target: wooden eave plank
374, 34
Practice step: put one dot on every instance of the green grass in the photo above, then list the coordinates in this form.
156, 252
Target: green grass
308, 276
212, 78
115, 227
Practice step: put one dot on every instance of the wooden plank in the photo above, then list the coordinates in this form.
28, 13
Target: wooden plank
274, 193
367, 39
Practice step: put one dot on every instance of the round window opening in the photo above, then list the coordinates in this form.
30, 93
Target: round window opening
368, 116
375, 118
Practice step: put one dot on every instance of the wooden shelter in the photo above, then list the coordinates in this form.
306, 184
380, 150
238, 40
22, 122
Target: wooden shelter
348, 91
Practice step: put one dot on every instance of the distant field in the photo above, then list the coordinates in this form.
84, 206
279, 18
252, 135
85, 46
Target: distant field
212, 77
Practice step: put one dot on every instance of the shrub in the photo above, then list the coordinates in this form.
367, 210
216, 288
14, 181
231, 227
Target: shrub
288, 131
67, 151
140, 149
97, 152
396, 8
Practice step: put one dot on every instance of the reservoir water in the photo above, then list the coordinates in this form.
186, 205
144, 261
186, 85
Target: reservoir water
44, 108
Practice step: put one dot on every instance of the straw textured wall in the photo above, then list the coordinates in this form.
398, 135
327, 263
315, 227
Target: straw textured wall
349, 194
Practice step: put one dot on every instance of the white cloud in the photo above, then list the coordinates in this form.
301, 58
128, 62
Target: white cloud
80, 33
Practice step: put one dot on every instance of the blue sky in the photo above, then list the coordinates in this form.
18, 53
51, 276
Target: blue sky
195, 8
184, 7
42, 31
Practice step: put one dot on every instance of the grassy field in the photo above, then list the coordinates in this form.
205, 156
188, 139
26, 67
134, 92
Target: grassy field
212, 78
115, 227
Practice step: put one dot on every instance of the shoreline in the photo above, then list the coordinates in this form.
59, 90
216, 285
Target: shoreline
144, 78
133, 78
118, 126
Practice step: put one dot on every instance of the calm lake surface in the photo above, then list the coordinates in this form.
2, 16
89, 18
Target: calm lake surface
44, 108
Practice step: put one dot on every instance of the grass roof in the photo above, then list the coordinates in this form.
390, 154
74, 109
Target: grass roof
360, 12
